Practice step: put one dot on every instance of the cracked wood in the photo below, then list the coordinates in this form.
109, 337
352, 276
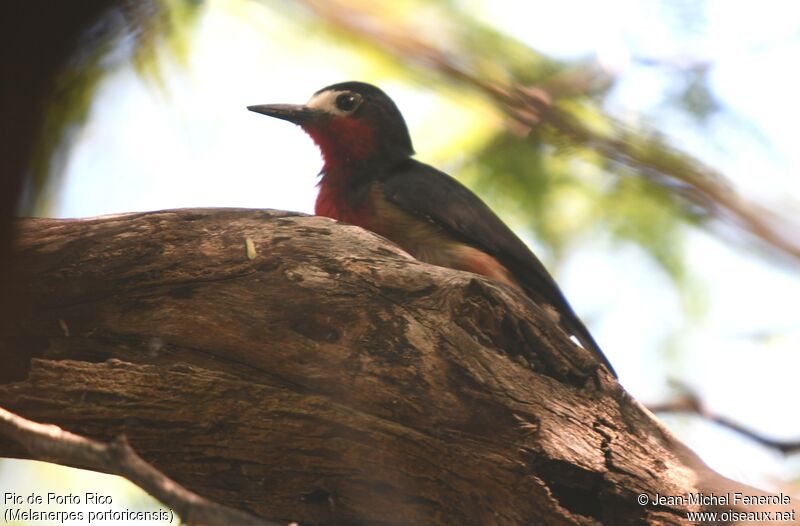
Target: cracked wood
306, 370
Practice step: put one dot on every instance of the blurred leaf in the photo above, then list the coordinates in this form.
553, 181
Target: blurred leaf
694, 95
638, 211
144, 32
564, 198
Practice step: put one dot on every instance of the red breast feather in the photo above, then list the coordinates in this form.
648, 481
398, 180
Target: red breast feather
344, 143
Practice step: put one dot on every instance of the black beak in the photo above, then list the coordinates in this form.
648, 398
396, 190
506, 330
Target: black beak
295, 113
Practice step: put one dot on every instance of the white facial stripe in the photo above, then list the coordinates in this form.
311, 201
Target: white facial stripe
326, 101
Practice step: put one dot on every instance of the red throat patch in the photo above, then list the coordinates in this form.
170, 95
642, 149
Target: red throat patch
342, 141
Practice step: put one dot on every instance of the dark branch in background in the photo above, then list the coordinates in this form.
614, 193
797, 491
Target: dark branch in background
53, 444
689, 402
677, 172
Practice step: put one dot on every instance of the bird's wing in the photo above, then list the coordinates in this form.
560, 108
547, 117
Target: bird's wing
422, 190
426, 192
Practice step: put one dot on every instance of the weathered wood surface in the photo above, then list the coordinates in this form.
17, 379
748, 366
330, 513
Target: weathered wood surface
328, 377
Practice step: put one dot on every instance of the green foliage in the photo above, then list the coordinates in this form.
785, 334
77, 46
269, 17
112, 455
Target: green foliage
636, 210
156, 29
497, 56
566, 196
694, 95
522, 181
165, 34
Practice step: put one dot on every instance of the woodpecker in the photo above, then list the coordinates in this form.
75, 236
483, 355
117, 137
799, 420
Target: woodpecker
370, 179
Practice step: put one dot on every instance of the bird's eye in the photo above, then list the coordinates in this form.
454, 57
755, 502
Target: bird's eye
348, 101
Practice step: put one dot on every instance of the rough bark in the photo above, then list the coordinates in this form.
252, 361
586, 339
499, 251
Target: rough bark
324, 376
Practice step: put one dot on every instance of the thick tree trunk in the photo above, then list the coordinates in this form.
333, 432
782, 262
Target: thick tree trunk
306, 370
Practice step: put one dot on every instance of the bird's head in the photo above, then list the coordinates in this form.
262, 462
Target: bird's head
353, 123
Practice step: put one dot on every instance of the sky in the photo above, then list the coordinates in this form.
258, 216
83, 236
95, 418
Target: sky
192, 143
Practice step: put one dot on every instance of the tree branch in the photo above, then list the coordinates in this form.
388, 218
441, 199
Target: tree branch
689, 402
53, 444
297, 368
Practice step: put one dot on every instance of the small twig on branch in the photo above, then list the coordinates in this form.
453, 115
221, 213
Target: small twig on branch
53, 444
642, 150
690, 403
